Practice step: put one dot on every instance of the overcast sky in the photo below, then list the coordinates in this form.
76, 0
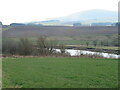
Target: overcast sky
37, 10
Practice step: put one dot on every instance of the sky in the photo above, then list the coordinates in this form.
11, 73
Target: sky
20, 11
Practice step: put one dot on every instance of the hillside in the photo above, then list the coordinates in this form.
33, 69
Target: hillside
85, 17
36, 31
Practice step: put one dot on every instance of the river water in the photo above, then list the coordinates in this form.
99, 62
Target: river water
73, 52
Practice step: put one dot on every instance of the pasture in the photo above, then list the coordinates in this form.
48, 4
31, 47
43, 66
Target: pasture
59, 72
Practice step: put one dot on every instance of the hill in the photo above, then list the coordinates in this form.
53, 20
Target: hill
85, 17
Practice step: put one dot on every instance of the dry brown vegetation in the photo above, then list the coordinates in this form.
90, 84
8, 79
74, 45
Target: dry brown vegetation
36, 31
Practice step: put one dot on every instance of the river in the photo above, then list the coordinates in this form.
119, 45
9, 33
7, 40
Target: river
73, 52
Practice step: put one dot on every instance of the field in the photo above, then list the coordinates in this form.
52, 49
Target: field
67, 35
36, 31
51, 72
62, 72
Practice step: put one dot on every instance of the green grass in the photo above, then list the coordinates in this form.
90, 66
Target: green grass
72, 42
48, 72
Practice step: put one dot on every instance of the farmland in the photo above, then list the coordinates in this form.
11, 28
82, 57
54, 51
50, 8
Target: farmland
105, 37
34, 31
48, 69
51, 72
67, 35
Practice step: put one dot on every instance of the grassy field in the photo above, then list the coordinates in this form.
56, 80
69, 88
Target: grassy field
91, 46
50, 72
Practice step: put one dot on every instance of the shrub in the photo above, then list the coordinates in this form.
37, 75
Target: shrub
9, 46
62, 48
25, 47
95, 43
45, 47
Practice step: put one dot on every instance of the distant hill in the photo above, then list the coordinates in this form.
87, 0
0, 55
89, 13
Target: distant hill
85, 17
17, 24
91, 16
28, 24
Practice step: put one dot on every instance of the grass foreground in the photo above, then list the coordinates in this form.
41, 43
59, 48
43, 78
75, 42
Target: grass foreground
51, 72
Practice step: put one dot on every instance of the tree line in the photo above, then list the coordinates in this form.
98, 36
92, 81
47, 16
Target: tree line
25, 47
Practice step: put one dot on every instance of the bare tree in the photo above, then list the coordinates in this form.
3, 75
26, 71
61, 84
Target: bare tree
45, 47
24, 47
87, 43
9, 46
95, 43
62, 48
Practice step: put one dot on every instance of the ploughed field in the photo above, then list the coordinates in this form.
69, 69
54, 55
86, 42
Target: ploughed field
34, 31
51, 72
